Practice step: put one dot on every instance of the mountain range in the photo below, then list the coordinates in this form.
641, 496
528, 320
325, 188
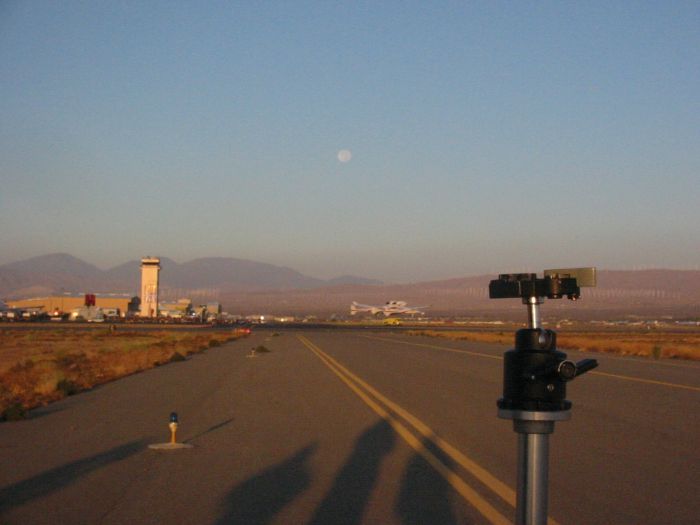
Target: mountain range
244, 286
61, 272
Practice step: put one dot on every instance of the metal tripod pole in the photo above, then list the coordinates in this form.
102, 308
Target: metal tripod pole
533, 311
533, 464
533, 430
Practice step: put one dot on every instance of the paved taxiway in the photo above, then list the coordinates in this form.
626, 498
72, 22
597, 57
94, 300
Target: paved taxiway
351, 427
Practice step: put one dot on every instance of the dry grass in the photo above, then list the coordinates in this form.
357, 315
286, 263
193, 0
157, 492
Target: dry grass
41, 366
656, 344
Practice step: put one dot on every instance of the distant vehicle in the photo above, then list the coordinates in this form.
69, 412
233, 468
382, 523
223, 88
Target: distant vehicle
12, 314
389, 308
111, 314
392, 321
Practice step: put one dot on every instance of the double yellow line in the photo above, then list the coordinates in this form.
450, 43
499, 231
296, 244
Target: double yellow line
417, 434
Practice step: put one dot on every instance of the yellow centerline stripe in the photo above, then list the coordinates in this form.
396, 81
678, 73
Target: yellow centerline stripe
462, 488
479, 354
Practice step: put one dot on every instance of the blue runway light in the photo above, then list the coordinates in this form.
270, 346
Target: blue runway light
173, 417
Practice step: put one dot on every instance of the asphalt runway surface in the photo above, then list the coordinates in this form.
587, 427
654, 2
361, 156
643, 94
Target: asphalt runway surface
350, 427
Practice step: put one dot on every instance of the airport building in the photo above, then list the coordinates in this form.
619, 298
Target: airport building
179, 309
66, 303
208, 312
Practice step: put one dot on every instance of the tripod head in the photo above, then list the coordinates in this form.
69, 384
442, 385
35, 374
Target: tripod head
535, 373
554, 285
533, 290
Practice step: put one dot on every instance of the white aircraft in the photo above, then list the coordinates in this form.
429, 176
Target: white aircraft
389, 308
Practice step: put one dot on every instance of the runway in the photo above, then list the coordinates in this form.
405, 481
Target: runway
350, 427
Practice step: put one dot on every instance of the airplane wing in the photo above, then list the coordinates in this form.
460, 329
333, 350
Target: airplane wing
411, 310
360, 308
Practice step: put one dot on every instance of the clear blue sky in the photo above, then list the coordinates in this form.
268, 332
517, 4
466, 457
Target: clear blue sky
485, 136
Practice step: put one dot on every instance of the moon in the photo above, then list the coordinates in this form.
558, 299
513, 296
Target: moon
344, 155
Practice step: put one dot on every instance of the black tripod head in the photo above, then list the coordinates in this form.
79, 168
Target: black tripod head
535, 373
554, 285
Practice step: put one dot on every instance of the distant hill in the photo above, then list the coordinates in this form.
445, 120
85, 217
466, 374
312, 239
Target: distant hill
55, 263
352, 280
220, 273
47, 274
205, 277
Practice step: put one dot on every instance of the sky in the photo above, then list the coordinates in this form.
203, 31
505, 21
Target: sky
477, 137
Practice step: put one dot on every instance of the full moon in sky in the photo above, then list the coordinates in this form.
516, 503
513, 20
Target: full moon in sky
344, 155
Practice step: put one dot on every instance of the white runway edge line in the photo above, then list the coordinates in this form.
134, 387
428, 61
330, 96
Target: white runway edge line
389, 411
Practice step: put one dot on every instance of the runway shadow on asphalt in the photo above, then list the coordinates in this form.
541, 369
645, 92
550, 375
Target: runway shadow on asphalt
60, 477
424, 498
345, 502
259, 499
44, 411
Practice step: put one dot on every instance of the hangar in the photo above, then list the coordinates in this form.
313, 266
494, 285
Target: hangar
60, 304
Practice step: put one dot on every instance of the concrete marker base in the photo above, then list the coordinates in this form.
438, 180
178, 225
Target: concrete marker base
170, 446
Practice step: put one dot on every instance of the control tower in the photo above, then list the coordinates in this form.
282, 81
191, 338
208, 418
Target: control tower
150, 267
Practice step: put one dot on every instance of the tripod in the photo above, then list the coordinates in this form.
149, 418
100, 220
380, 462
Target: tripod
534, 382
